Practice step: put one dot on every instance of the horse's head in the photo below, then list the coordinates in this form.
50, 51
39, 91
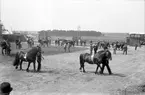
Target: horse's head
39, 48
108, 54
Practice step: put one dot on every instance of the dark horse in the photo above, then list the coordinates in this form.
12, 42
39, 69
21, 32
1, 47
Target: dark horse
68, 45
5, 46
101, 57
29, 57
43, 42
30, 43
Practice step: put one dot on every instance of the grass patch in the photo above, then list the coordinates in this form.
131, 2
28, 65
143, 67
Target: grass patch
52, 50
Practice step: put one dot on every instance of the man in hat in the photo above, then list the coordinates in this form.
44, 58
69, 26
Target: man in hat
114, 48
5, 88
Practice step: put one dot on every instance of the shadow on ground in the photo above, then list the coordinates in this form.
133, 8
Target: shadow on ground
106, 74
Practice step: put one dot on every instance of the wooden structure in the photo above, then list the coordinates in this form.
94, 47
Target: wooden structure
11, 37
134, 39
43, 35
14, 37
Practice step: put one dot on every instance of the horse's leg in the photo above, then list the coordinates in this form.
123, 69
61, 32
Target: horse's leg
126, 52
65, 49
47, 44
2, 51
98, 65
82, 64
34, 66
69, 49
6, 51
28, 67
17, 66
21, 64
97, 69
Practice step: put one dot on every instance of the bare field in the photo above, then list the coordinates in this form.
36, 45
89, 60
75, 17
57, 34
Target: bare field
60, 75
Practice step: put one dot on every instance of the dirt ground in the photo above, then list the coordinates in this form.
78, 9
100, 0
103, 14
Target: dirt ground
60, 75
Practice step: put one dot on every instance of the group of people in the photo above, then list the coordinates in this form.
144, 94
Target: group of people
44, 41
115, 46
122, 47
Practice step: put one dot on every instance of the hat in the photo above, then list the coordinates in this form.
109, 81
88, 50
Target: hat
5, 87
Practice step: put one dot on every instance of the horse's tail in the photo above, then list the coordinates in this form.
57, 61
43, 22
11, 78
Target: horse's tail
81, 61
17, 60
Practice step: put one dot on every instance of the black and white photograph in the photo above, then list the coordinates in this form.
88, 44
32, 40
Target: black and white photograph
72, 47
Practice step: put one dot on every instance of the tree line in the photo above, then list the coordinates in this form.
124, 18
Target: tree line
70, 33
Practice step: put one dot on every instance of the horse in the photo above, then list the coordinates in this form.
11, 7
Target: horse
5, 46
29, 57
98, 58
43, 42
46, 42
72, 43
105, 61
67, 46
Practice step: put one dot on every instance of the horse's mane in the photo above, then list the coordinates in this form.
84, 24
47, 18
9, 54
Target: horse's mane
102, 52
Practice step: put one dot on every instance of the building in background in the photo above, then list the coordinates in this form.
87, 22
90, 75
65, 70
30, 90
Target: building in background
134, 39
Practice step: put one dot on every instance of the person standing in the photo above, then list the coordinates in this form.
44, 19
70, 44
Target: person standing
19, 43
114, 48
39, 59
91, 47
125, 49
106, 63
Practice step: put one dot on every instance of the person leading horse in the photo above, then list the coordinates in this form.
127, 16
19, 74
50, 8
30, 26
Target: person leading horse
101, 57
29, 57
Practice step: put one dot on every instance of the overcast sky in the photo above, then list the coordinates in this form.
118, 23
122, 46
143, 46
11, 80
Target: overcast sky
99, 15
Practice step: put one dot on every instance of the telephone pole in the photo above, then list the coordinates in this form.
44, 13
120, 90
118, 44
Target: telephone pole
1, 25
144, 16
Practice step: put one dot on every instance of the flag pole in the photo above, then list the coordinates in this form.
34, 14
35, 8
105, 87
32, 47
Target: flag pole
0, 22
144, 16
